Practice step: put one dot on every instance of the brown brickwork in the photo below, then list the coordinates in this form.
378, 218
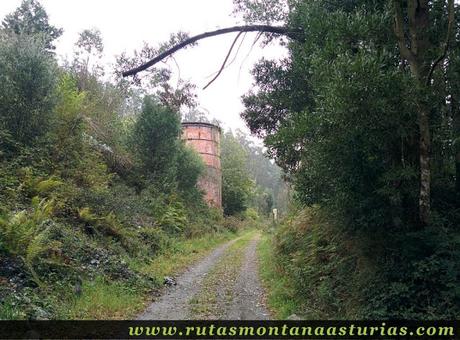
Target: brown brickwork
205, 139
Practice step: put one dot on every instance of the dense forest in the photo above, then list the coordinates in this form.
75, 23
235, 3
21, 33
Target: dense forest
95, 181
364, 116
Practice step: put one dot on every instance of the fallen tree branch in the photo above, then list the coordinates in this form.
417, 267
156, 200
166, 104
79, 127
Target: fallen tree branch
250, 28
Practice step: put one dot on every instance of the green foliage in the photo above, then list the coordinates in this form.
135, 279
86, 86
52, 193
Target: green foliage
90, 41
19, 230
318, 258
27, 82
339, 114
280, 293
269, 191
251, 214
8, 145
68, 123
155, 137
33, 186
189, 167
233, 223
86, 64
105, 224
173, 220
329, 138
30, 18
156, 238
24, 234
236, 183
267, 11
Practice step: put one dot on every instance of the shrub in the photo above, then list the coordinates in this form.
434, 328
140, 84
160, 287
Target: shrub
155, 239
27, 83
155, 139
233, 223
251, 214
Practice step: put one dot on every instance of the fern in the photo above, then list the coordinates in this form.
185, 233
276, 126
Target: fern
173, 219
108, 225
87, 216
47, 185
34, 186
23, 233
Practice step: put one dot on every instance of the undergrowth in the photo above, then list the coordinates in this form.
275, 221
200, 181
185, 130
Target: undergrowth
315, 269
69, 252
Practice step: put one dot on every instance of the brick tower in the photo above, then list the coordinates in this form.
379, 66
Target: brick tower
205, 139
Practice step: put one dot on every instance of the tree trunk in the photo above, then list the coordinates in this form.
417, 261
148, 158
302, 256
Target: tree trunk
416, 53
425, 164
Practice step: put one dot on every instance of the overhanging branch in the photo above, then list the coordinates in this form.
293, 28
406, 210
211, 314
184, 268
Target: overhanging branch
250, 28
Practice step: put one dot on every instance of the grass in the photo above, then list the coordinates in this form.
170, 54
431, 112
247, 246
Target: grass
103, 300
280, 294
7, 310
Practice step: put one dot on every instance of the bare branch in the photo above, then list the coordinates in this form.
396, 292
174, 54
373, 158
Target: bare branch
233, 59
225, 61
250, 28
445, 45
237, 51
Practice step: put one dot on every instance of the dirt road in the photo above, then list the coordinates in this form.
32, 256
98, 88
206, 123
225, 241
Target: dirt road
224, 285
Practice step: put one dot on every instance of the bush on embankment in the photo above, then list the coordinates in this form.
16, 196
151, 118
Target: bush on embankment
334, 274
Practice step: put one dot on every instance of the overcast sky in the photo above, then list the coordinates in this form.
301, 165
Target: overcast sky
126, 24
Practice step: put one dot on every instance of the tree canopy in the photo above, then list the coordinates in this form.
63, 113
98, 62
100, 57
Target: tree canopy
30, 18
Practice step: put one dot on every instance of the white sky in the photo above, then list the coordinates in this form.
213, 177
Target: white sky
126, 24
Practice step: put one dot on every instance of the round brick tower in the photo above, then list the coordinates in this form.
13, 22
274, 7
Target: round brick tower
205, 139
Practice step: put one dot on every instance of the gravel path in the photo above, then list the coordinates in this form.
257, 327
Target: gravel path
248, 295
245, 302
173, 305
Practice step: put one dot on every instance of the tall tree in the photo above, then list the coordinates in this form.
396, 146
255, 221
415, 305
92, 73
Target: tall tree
27, 83
31, 18
155, 138
423, 57
86, 63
